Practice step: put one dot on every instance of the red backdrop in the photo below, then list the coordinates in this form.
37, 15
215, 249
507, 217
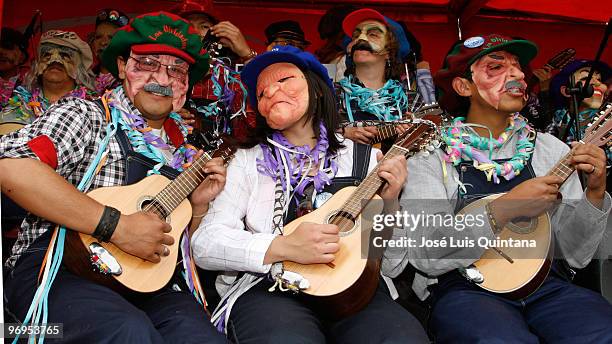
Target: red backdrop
552, 24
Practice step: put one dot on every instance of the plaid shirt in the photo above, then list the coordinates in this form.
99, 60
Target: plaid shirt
75, 127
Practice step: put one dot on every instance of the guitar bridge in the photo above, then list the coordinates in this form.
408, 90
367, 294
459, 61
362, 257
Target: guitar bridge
103, 261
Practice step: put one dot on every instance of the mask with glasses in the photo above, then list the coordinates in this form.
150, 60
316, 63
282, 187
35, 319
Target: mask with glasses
151, 65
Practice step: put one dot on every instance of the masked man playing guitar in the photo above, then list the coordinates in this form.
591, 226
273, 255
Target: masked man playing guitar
294, 160
482, 79
157, 55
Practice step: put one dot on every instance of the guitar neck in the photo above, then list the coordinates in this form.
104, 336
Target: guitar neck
175, 192
385, 131
370, 185
563, 168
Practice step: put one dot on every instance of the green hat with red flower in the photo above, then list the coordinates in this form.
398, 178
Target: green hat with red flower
159, 33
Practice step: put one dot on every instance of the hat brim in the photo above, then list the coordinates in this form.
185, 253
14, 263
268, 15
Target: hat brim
197, 69
356, 17
524, 50
251, 71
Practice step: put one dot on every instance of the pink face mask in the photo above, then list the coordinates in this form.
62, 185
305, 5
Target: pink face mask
282, 95
496, 74
153, 69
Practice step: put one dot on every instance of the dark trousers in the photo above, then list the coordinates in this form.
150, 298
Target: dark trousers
260, 316
558, 312
92, 313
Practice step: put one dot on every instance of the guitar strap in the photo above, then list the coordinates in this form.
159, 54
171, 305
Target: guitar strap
136, 164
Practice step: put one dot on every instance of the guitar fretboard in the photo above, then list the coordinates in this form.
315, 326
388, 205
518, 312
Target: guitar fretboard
174, 193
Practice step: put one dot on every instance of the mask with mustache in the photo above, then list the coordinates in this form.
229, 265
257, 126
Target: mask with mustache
370, 36
496, 74
159, 89
52, 53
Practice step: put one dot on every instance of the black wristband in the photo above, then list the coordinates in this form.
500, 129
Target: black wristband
107, 225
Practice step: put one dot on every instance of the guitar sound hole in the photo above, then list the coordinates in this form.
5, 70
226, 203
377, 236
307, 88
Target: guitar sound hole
523, 225
152, 206
344, 220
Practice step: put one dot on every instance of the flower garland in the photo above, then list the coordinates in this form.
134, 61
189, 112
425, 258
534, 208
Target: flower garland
6, 90
461, 143
148, 144
27, 106
287, 164
388, 103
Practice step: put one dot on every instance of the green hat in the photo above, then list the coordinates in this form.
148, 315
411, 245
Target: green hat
457, 63
159, 33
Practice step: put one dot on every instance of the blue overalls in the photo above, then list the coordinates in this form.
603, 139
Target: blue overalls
558, 312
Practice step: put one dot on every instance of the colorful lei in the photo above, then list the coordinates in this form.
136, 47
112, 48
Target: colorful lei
462, 143
388, 103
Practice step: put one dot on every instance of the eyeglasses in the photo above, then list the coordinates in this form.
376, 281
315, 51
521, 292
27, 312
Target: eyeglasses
112, 16
151, 65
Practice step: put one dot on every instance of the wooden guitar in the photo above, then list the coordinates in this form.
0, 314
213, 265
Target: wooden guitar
559, 61
387, 130
9, 127
105, 263
346, 285
516, 272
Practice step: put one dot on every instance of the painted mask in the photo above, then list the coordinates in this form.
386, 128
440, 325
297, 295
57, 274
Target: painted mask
282, 95
599, 88
167, 71
498, 74
369, 33
53, 53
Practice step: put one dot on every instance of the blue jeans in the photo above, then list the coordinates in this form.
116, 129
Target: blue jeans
92, 313
558, 312
260, 316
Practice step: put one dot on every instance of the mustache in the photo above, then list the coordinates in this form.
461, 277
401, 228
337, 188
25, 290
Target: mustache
362, 45
514, 84
157, 88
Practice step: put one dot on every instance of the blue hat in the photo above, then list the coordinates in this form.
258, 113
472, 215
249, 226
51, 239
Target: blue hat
562, 78
279, 54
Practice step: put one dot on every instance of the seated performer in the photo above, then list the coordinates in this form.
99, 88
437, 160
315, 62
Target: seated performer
372, 89
157, 56
60, 70
297, 156
562, 126
493, 150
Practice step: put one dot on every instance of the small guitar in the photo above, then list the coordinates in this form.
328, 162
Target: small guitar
504, 270
347, 284
105, 263
559, 61
387, 130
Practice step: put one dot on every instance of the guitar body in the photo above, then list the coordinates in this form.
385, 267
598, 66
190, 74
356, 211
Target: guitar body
9, 127
137, 274
529, 266
346, 285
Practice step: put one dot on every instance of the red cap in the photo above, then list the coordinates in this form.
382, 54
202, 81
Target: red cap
356, 17
187, 8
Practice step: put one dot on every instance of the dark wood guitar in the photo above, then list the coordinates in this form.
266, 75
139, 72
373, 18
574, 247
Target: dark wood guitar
388, 130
